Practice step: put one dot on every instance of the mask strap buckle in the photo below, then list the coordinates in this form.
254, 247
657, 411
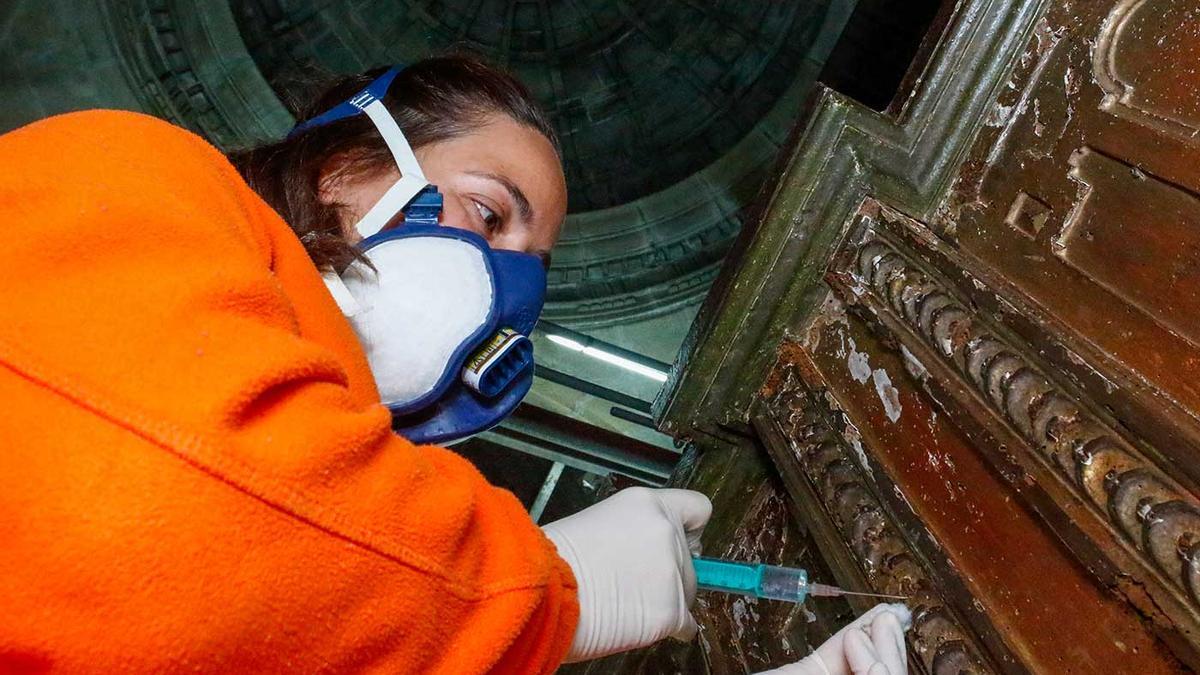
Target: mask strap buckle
412, 179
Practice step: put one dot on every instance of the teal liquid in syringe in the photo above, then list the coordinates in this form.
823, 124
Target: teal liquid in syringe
764, 581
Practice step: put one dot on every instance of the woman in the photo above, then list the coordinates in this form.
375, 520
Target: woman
199, 474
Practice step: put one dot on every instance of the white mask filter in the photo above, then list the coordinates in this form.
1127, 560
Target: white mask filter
427, 298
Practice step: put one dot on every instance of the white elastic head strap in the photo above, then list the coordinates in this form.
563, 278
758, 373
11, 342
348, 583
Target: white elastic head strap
412, 179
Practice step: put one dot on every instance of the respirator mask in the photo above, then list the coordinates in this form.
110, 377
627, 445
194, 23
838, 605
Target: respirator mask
443, 318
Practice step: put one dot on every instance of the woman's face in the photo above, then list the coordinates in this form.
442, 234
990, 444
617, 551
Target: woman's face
502, 181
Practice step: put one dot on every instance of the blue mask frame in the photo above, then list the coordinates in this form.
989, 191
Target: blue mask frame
452, 410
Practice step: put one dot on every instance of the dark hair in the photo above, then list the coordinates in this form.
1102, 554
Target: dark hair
432, 100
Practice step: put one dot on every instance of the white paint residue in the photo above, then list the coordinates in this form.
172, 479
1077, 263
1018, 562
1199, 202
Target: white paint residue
888, 395
999, 115
913, 365
834, 310
704, 640
860, 368
854, 438
739, 614
947, 348
743, 613
1109, 386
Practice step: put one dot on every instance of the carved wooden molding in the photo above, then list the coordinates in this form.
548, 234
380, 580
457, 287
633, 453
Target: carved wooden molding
887, 560
1149, 515
773, 275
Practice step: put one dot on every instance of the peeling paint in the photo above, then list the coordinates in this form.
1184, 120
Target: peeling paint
1072, 83
999, 116
859, 364
913, 365
854, 438
833, 312
831, 401
888, 395
743, 612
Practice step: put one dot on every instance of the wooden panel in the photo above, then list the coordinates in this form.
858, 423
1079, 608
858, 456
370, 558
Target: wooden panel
1045, 610
997, 407
821, 457
1080, 334
1092, 158
1100, 491
1138, 237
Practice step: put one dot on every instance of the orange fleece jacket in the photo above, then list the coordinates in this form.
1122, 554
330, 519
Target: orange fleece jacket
196, 473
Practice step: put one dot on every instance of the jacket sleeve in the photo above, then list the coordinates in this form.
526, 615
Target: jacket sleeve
199, 478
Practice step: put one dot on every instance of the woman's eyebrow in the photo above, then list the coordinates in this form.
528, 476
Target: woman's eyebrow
523, 205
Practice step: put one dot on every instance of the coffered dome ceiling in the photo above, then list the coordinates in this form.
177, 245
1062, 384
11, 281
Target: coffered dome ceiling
670, 111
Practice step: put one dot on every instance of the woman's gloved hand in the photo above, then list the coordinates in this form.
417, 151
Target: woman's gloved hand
632, 558
872, 644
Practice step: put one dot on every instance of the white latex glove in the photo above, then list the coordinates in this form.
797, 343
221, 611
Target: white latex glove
632, 559
872, 644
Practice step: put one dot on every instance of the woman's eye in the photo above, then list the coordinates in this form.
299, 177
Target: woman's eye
490, 219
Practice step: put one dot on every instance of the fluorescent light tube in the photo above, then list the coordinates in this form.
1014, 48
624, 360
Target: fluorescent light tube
601, 355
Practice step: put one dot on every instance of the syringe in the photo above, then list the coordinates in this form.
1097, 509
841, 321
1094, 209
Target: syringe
764, 581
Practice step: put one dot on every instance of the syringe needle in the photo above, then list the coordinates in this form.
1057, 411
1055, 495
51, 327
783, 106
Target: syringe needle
826, 591
874, 595
765, 581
